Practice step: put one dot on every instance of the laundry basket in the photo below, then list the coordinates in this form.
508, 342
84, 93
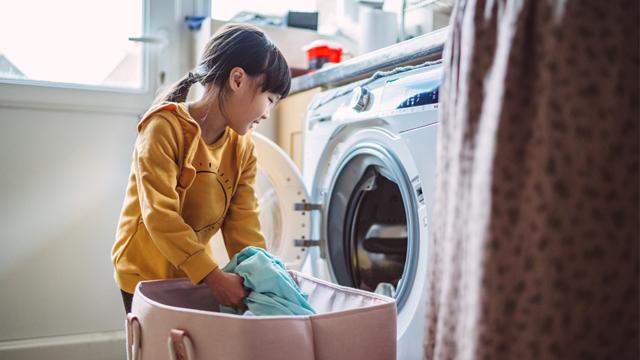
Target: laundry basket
172, 319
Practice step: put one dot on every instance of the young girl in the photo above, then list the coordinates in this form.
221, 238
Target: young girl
194, 169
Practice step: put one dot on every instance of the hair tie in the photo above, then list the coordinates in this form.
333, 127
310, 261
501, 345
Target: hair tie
191, 78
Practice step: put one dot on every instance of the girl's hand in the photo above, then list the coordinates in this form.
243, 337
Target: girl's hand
227, 288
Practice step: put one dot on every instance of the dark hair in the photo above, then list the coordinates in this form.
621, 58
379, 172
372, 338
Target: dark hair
239, 45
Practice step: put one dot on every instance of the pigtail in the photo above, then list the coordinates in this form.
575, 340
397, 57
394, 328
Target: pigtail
178, 91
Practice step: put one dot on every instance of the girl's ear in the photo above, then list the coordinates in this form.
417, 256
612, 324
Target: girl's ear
237, 78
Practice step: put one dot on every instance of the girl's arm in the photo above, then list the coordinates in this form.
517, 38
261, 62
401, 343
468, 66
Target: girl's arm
241, 227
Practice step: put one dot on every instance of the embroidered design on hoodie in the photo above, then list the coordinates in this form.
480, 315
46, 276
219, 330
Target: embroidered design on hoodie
207, 199
211, 196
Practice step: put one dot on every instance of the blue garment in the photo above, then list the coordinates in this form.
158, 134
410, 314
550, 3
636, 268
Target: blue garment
273, 291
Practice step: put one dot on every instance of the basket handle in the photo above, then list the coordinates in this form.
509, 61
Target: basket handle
180, 345
132, 325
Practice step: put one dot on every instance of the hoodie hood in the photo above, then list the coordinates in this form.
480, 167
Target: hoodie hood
178, 116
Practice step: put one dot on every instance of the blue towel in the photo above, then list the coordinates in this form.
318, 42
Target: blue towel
273, 291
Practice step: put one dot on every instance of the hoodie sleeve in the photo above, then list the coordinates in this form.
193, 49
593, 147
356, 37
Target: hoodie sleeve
241, 227
156, 170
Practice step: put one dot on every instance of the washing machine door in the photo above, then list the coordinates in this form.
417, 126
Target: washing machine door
280, 190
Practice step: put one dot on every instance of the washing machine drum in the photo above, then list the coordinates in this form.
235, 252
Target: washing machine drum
368, 234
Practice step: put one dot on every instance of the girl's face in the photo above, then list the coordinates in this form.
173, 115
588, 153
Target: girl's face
246, 104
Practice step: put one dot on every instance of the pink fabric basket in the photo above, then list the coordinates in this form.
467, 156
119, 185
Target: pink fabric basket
172, 319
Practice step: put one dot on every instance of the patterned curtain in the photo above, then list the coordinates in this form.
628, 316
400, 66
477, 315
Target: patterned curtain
534, 249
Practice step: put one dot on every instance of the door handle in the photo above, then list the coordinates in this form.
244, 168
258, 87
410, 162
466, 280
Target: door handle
145, 39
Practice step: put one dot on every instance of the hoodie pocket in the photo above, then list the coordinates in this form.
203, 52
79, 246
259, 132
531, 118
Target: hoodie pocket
130, 238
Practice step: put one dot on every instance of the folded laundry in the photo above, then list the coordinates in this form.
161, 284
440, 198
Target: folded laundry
273, 291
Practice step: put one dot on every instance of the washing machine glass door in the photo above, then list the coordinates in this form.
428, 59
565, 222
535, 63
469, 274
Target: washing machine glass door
279, 187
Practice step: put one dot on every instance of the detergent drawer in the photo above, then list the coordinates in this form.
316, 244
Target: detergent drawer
172, 319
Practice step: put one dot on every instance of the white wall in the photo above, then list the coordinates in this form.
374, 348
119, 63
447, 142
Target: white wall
62, 183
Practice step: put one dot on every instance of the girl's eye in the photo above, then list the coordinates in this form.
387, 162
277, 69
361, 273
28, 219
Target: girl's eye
270, 100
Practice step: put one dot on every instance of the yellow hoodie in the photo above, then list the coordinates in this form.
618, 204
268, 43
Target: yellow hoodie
181, 191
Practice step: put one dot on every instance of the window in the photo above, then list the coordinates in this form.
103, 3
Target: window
72, 42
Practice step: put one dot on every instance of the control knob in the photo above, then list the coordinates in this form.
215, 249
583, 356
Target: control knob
360, 99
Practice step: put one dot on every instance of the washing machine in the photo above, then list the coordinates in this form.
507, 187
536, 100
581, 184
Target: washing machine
360, 212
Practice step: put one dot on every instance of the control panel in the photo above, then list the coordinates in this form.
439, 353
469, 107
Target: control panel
410, 92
